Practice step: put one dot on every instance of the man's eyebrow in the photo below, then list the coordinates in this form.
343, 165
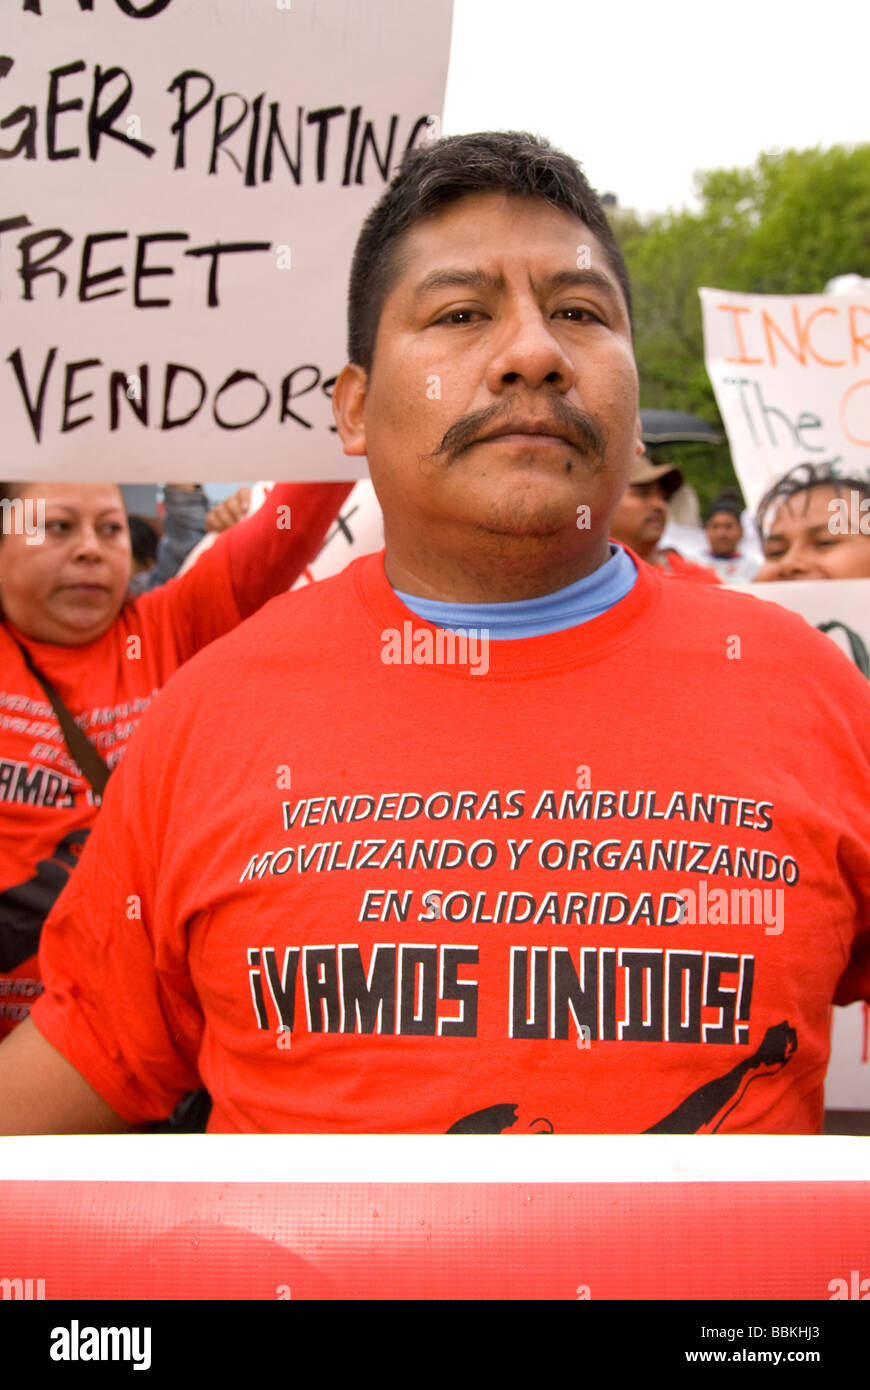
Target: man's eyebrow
582, 279
450, 277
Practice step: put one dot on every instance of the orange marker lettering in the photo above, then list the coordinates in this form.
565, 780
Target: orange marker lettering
736, 309
857, 341
825, 361
852, 438
770, 326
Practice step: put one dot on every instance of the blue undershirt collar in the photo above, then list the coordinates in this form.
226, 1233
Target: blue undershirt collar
534, 617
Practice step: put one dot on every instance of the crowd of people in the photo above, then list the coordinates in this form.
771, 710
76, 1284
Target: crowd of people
795, 522
241, 842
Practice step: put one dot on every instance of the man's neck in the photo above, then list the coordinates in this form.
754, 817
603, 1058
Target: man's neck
501, 578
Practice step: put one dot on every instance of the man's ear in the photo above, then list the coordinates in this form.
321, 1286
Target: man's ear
348, 407
639, 445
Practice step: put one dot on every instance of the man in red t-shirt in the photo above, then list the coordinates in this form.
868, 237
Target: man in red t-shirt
500, 830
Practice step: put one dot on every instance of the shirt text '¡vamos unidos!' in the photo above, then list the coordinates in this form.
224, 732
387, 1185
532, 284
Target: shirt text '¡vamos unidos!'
608, 994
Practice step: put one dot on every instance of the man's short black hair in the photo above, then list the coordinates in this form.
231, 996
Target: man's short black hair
729, 500
443, 171
806, 477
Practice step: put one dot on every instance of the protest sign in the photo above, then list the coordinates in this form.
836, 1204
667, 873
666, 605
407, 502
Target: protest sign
791, 374
840, 608
183, 187
357, 530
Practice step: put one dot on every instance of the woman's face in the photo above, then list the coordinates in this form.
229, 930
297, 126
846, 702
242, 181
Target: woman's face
69, 587
801, 543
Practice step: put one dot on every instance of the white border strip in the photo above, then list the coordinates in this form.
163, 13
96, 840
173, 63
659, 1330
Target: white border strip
435, 1158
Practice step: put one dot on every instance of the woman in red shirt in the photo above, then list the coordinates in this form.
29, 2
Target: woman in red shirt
65, 567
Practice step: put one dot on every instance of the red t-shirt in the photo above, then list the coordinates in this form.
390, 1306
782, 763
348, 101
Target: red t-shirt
356, 886
46, 807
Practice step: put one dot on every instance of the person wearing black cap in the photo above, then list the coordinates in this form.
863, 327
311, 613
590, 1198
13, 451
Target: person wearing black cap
642, 515
724, 530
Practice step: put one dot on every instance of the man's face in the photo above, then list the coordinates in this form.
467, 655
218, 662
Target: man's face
503, 391
724, 533
641, 517
800, 545
69, 588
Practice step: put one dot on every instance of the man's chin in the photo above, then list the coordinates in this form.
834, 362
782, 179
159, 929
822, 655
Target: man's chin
543, 521
533, 529
537, 506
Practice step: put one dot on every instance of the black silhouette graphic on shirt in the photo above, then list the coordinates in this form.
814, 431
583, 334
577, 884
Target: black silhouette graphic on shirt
495, 1119
715, 1100
704, 1110
25, 906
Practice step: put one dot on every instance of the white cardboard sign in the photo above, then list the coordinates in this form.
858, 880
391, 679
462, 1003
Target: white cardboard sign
183, 185
791, 374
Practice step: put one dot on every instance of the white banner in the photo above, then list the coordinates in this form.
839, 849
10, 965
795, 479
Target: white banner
841, 608
791, 375
183, 185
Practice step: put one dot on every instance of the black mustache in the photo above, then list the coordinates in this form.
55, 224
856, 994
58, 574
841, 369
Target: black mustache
576, 426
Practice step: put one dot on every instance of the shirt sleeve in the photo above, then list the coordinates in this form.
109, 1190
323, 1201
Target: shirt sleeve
247, 565
119, 1002
855, 981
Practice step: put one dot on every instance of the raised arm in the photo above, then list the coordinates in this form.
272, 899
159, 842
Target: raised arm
269, 550
247, 565
42, 1093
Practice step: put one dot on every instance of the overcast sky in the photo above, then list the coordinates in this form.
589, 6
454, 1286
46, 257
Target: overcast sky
645, 93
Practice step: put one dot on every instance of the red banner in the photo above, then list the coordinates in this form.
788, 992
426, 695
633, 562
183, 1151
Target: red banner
435, 1241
